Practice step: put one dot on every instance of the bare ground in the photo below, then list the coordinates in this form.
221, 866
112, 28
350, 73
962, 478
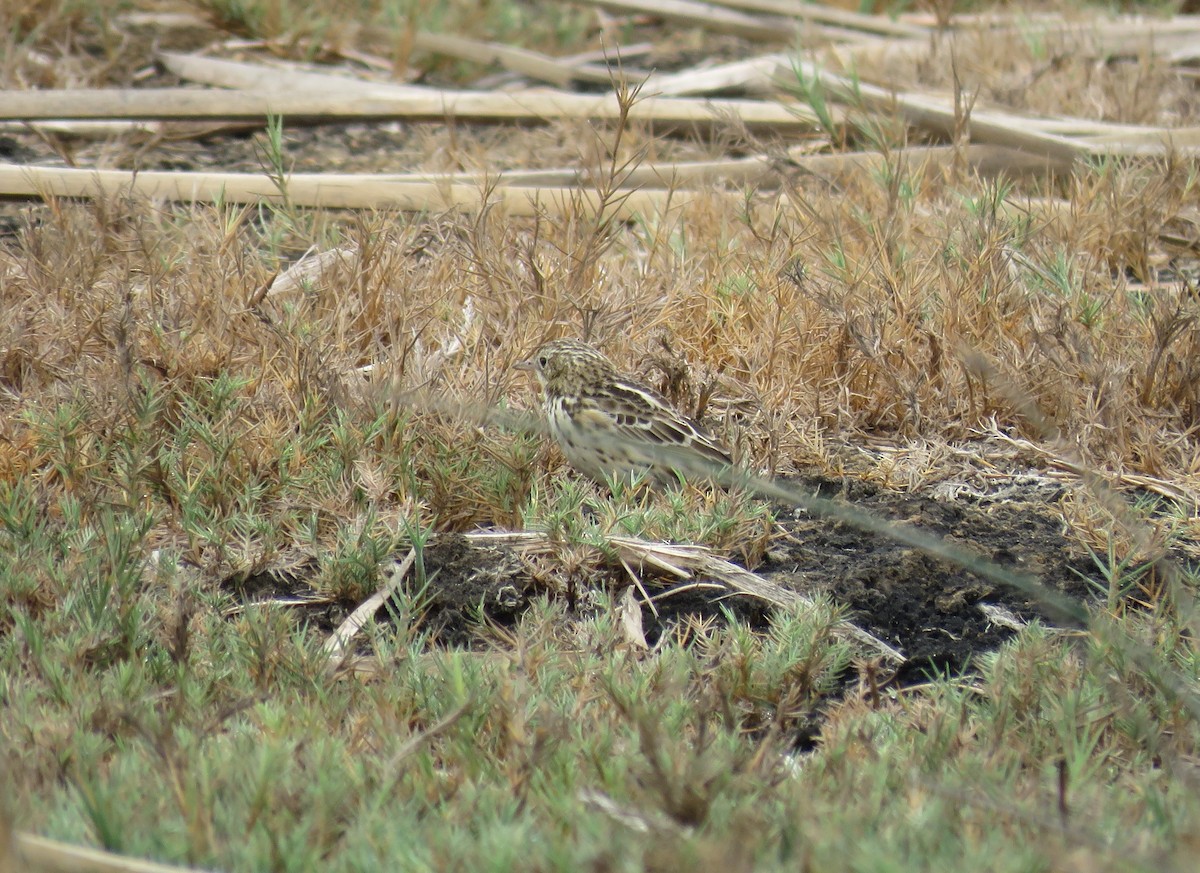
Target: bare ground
938, 614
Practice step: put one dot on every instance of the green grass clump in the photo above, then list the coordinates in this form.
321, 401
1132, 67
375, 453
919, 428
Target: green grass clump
554, 745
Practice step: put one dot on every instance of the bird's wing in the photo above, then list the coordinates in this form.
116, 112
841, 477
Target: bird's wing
642, 416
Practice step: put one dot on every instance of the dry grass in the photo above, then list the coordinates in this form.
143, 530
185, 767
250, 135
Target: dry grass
885, 305
160, 397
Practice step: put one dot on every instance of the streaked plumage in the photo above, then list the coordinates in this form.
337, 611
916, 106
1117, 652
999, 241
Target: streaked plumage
610, 425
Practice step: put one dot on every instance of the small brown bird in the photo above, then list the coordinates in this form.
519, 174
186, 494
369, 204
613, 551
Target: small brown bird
609, 425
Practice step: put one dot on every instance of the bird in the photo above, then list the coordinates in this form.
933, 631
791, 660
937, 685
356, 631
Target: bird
611, 426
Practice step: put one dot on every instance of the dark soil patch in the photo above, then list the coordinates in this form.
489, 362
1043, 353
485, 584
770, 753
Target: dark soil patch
468, 583
929, 609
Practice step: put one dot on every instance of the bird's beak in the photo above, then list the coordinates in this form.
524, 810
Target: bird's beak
527, 366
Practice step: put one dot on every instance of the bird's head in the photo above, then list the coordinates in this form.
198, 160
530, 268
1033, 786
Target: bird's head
565, 366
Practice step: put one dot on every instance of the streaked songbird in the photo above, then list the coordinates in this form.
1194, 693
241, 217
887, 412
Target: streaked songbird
612, 426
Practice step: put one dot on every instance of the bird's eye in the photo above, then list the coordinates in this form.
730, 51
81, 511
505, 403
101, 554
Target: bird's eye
542, 361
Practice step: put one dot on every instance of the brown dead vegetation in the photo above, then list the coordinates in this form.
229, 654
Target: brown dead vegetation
964, 263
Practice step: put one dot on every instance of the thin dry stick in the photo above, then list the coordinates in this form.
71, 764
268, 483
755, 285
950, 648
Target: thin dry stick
1154, 142
691, 586
762, 75
1042, 136
90, 129
607, 56
335, 646
528, 63
414, 744
1119, 35
277, 77
704, 15
755, 75
597, 61
324, 104
699, 561
939, 115
637, 582
332, 191
35, 854
521, 192
808, 11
